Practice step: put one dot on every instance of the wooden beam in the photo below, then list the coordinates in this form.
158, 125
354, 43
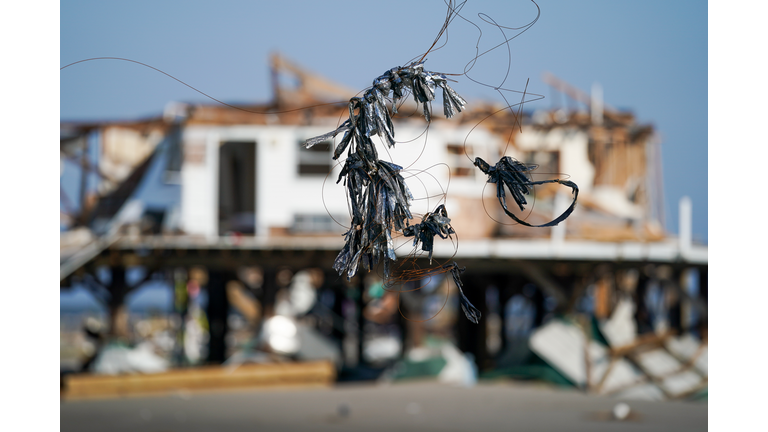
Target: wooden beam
82, 386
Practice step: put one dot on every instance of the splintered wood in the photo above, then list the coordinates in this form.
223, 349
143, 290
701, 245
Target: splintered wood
653, 367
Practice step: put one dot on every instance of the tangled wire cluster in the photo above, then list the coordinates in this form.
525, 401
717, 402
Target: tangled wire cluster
378, 196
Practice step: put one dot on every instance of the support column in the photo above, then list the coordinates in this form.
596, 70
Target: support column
506, 286
675, 299
218, 308
539, 307
334, 286
118, 315
642, 315
359, 306
181, 307
704, 293
269, 292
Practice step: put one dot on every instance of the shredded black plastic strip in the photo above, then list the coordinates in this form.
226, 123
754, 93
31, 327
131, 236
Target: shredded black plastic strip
470, 311
312, 141
513, 174
373, 118
432, 224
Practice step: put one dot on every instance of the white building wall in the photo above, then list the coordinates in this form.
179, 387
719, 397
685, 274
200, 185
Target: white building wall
282, 193
199, 183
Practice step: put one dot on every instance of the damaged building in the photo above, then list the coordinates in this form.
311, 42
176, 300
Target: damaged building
231, 200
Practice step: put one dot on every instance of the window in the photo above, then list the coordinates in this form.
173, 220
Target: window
315, 160
318, 223
461, 165
175, 155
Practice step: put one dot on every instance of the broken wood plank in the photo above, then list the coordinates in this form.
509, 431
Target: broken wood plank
689, 351
668, 373
203, 378
649, 340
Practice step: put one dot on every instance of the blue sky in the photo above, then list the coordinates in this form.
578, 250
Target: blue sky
649, 56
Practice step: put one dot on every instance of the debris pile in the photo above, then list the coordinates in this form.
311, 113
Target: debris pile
651, 367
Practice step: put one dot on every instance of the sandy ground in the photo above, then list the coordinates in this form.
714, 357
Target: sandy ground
413, 406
